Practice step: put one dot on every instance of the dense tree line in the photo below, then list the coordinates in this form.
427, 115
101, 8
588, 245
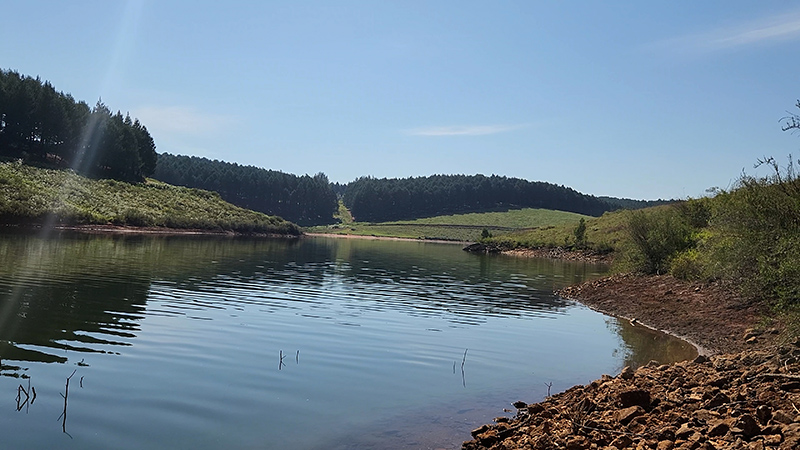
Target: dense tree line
627, 203
304, 200
379, 200
40, 124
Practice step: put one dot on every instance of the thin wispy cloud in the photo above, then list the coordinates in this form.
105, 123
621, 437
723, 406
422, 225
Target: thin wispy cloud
763, 31
464, 130
181, 120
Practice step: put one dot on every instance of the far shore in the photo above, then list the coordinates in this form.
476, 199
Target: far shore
382, 238
131, 230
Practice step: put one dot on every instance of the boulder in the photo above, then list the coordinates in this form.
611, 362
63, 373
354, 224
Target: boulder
625, 415
634, 397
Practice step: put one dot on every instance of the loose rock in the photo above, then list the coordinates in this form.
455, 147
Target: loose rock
747, 413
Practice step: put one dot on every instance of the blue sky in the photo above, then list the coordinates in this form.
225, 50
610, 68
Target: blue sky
629, 99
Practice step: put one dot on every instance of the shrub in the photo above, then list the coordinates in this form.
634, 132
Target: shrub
687, 265
580, 234
655, 238
758, 241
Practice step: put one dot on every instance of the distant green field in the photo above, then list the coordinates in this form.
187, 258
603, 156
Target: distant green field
602, 233
459, 227
518, 218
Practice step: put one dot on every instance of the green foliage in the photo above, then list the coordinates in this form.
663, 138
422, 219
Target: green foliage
343, 214
580, 234
486, 234
460, 227
656, 237
303, 199
757, 240
46, 127
606, 231
381, 200
688, 265
34, 195
525, 218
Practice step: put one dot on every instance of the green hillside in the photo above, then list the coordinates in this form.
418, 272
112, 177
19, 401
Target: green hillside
604, 233
31, 195
458, 227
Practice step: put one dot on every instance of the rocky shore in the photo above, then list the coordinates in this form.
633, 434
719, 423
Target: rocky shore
745, 395
565, 253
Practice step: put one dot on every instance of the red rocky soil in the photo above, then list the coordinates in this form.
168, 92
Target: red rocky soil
746, 398
710, 315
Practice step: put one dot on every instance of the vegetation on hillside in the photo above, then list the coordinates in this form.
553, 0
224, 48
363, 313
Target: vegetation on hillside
30, 195
749, 236
458, 227
304, 200
39, 124
600, 234
383, 200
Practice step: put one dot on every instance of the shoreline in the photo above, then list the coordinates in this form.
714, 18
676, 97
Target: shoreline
741, 392
131, 230
381, 238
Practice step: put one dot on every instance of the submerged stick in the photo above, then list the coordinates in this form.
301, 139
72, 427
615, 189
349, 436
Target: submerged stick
64, 413
463, 376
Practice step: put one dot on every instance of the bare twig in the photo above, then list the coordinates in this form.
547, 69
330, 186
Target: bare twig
778, 375
579, 413
64, 413
549, 385
30, 396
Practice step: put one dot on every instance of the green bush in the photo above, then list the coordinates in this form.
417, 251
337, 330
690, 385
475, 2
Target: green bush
135, 218
687, 265
655, 238
756, 241
580, 234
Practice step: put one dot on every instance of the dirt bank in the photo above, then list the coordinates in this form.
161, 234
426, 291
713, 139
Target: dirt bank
745, 397
711, 315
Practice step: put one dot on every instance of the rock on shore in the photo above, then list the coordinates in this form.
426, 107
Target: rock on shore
747, 400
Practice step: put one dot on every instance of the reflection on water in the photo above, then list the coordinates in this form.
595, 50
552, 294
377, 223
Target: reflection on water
643, 345
208, 342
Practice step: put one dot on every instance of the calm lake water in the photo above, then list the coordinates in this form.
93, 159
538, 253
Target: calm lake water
176, 342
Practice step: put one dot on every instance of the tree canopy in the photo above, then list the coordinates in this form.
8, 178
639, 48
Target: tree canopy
379, 200
40, 124
304, 200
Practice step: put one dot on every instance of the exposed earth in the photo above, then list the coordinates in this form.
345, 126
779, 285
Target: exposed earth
745, 396
711, 316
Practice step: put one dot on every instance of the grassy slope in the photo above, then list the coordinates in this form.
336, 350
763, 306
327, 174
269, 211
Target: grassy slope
606, 232
460, 227
32, 195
